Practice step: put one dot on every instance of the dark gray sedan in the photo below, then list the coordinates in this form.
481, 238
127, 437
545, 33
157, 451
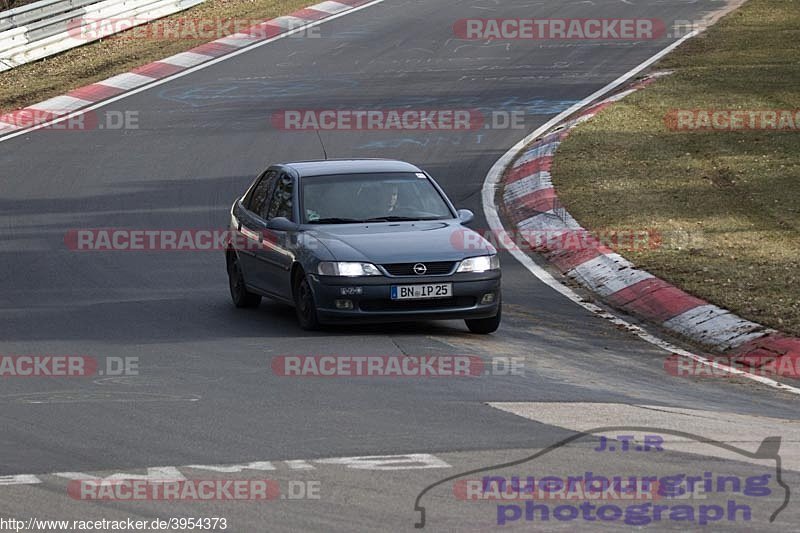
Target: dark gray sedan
367, 240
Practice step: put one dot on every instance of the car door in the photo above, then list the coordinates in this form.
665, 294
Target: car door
276, 255
252, 228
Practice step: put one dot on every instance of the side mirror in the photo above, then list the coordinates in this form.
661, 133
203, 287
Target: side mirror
281, 224
465, 216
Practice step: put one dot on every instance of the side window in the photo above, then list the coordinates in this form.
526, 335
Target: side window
281, 204
255, 202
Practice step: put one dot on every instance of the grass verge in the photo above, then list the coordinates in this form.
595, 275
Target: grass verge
34, 82
735, 193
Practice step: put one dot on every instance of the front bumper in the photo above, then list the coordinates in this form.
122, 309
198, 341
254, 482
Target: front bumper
371, 298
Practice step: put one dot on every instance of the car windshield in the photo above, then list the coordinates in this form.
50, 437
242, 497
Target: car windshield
382, 197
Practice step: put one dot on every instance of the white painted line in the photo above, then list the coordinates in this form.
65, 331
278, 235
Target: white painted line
188, 71
549, 220
412, 461
299, 464
537, 152
287, 22
157, 474
185, 59
61, 103
527, 185
695, 316
126, 81
722, 327
491, 184
608, 273
23, 479
330, 7
237, 39
232, 469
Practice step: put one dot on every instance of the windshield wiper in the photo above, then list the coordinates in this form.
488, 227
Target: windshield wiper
340, 220
400, 219
334, 220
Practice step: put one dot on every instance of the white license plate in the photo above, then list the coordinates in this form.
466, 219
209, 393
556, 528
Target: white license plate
422, 292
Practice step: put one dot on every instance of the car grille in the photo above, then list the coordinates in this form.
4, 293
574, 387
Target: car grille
436, 268
412, 305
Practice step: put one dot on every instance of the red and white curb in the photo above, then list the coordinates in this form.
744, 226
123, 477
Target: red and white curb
75, 100
531, 203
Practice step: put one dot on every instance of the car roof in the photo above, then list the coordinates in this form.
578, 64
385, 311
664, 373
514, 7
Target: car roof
331, 167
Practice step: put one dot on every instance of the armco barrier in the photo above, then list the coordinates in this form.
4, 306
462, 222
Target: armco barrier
48, 27
17, 121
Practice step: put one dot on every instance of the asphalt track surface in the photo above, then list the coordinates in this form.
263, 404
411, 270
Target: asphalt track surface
205, 393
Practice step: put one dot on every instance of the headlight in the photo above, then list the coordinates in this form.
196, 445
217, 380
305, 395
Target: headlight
333, 268
481, 263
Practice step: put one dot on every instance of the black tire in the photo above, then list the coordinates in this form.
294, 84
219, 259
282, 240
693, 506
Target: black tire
304, 305
239, 294
484, 326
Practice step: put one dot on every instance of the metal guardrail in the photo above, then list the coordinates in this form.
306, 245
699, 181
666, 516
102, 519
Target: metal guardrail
20, 16
45, 28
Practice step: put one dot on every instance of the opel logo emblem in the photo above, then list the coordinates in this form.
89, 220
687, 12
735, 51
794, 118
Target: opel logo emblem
420, 269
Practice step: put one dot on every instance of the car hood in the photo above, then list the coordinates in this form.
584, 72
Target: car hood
402, 242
